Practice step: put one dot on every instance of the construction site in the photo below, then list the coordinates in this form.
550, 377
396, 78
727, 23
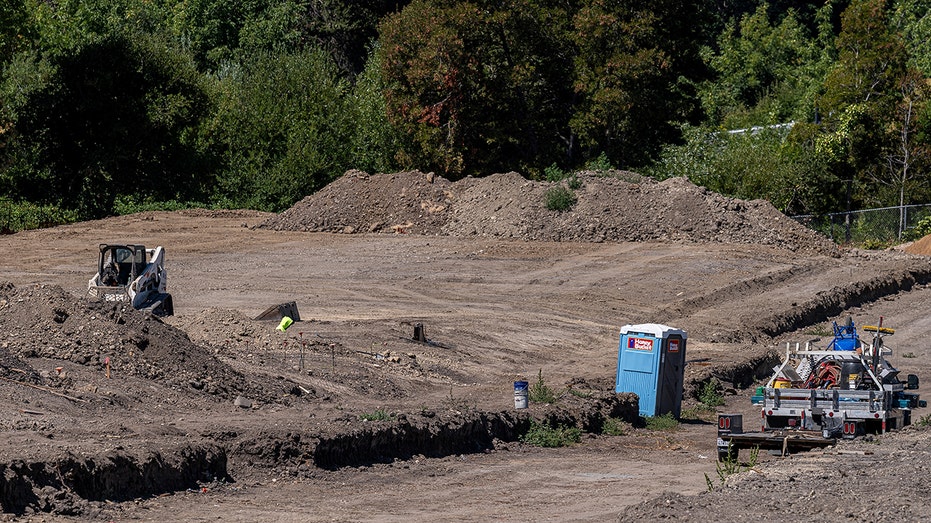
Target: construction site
414, 305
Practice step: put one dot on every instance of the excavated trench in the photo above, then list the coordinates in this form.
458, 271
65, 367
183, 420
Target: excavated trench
829, 303
70, 484
66, 485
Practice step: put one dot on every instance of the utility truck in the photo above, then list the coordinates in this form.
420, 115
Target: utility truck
816, 395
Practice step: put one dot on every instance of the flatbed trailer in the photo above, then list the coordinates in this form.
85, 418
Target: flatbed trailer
782, 442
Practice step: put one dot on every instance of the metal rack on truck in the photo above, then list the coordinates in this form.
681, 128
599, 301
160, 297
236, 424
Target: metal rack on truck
818, 395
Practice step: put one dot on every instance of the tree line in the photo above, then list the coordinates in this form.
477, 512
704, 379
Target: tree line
110, 106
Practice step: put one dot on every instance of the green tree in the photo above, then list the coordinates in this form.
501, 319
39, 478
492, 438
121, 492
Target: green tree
282, 130
908, 152
859, 97
210, 29
630, 59
375, 141
767, 73
98, 102
114, 116
912, 18
477, 86
345, 29
13, 28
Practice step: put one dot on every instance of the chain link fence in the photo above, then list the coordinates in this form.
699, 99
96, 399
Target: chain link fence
885, 225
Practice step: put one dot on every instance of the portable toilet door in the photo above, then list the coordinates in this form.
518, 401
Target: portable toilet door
651, 363
672, 373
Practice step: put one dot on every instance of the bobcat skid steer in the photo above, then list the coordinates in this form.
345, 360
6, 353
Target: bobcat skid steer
132, 273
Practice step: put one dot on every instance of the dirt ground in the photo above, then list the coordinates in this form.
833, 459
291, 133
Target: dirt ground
210, 415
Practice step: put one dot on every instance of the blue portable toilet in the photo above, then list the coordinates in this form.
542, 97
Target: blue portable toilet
651, 363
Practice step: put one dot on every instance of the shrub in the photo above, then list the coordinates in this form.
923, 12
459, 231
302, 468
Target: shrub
540, 392
600, 164
543, 435
709, 395
613, 427
559, 198
921, 229
574, 183
730, 465
554, 174
24, 215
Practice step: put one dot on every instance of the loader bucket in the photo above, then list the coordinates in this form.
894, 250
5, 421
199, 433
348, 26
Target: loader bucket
282, 310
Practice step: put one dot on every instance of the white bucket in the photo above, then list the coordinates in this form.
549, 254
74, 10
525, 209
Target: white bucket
520, 394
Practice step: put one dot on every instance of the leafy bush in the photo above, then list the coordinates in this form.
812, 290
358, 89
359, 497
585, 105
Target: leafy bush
123, 205
275, 153
768, 164
920, 230
543, 435
540, 392
574, 183
559, 198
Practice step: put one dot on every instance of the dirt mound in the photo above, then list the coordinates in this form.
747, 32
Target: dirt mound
921, 246
411, 202
47, 322
509, 206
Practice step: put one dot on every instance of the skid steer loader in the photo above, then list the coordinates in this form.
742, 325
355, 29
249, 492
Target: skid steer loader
134, 274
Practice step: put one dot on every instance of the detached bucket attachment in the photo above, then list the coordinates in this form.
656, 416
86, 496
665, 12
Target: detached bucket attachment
282, 310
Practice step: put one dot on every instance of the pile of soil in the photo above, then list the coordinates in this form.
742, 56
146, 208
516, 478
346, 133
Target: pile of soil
47, 322
921, 246
618, 208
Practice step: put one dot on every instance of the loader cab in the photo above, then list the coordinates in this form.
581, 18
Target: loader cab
120, 264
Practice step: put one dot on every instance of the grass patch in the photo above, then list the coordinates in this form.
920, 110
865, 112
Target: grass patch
543, 435
821, 331
665, 422
540, 392
924, 421
377, 415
